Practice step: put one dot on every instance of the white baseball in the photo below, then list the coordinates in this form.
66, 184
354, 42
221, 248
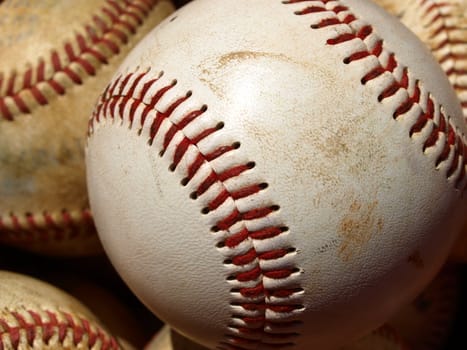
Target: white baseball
36, 315
276, 174
55, 59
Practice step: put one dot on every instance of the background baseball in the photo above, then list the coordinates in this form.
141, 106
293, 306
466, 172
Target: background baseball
55, 58
442, 26
277, 188
36, 315
93, 281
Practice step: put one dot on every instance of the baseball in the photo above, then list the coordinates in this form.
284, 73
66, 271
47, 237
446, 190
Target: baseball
56, 57
121, 318
275, 174
442, 26
36, 315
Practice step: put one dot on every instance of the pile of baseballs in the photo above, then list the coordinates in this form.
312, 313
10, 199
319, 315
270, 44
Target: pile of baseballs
235, 174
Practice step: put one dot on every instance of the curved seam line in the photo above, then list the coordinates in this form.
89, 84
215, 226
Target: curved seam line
85, 327
105, 107
53, 220
90, 48
458, 147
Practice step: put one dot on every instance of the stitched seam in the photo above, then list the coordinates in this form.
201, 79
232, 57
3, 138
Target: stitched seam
440, 135
45, 226
444, 28
30, 327
82, 56
256, 307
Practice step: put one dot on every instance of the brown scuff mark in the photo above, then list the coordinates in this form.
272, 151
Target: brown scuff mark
416, 260
213, 66
357, 227
248, 55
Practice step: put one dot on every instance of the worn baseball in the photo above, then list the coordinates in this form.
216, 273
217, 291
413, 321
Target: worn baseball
55, 59
36, 315
119, 315
275, 174
442, 26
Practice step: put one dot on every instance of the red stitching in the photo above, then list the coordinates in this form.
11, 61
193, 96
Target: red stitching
100, 39
137, 95
442, 22
82, 331
113, 104
435, 6
46, 226
431, 114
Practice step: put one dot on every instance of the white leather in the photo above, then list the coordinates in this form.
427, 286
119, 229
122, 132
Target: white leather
370, 216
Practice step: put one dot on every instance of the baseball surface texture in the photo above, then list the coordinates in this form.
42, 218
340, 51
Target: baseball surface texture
55, 59
277, 174
442, 26
36, 315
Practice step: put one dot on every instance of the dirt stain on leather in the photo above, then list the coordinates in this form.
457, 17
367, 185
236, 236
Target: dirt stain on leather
248, 55
357, 227
215, 67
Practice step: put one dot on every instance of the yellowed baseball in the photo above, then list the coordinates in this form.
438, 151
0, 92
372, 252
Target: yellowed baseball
442, 26
118, 314
35, 315
55, 58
